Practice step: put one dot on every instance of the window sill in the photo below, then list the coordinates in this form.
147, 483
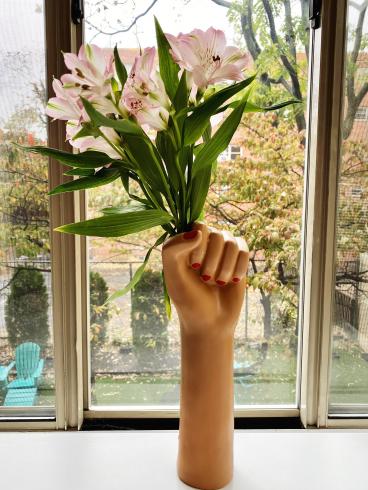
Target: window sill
277, 459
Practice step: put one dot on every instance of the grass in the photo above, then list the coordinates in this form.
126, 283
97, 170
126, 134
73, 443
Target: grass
271, 383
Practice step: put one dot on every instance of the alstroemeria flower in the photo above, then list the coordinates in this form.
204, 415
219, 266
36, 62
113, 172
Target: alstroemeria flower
144, 94
91, 70
90, 142
63, 106
205, 55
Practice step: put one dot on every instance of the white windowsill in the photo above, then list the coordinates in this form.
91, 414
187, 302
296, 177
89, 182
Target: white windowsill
264, 460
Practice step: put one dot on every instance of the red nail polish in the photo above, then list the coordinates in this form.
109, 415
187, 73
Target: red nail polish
189, 235
236, 279
206, 278
196, 265
220, 283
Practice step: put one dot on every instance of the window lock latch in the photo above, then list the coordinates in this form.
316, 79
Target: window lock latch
77, 11
315, 7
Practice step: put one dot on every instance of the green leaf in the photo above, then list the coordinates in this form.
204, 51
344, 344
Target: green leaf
87, 159
250, 107
138, 273
221, 139
181, 96
166, 298
167, 151
147, 160
118, 224
80, 172
197, 122
124, 209
199, 190
102, 177
123, 126
120, 68
168, 68
87, 130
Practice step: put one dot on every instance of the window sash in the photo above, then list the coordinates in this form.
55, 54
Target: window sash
70, 277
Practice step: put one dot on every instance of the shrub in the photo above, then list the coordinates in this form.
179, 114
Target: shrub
26, 309
148, 316
99, 312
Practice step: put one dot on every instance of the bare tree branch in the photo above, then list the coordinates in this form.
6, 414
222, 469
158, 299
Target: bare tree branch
125, 29
223, 3
353, 99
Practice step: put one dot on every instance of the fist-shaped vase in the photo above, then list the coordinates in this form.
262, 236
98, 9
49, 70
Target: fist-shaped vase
205, 274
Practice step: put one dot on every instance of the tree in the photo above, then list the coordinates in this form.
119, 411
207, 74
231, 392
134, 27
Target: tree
276, 34
99, 311
260, 196
26, 309
148, 317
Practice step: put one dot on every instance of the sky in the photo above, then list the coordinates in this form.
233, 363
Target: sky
173, 15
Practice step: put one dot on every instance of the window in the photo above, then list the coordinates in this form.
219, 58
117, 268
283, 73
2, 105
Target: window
349, 366
134, 349
361, 114
123, 360
26, 316
231, 153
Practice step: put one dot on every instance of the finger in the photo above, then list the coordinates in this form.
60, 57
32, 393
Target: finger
197, 255
228, 262
212, 259
241, 267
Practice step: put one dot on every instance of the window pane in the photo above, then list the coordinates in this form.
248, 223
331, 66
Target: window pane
26, 343
256, 192
349, 377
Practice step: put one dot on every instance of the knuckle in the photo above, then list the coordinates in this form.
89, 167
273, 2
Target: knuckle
216, 236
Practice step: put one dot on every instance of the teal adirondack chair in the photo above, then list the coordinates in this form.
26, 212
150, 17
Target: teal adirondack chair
4, 373
28, 365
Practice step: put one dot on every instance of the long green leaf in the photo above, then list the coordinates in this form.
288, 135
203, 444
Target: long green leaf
120, 68
147, 161
199, 190
251, 107
221, 139
102, 177
80, 172
123, 126
197, 122
167, 298
87, 159
124, 209
118, 224
181, 96
168, 68
138, 273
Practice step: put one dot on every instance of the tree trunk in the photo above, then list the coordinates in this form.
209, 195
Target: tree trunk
266, 303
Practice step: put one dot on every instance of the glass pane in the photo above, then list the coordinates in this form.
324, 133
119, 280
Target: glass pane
349, 377
26, 343
256, 192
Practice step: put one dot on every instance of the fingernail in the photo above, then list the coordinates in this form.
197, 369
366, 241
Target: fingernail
205, 277
189, 235
196, 265
236, 279
220, 283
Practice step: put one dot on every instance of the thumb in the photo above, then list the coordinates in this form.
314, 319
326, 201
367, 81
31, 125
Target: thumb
176, 250
179, 277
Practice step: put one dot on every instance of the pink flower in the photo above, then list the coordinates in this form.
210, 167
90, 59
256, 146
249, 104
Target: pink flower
63, 106
205, 55
144, 93
91, 70
90, 142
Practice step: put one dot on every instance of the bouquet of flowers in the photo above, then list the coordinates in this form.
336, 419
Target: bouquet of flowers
152, 127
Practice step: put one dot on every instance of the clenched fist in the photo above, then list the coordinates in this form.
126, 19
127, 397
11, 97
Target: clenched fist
205, 273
